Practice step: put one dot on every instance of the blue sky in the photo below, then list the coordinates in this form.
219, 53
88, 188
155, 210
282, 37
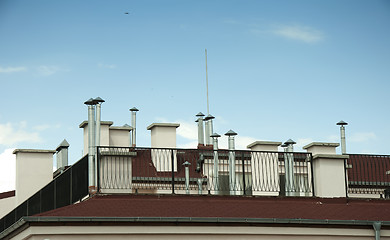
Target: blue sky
277, 70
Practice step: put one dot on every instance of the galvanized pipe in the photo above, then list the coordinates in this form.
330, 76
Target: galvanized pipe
342, 136
232, 161
133, 125
91, 146
377, 229
208, 140
187, 176
289, 167
215, 137
200, 129
209, 129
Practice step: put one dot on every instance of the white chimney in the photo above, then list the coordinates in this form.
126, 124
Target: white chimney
62, 155
34, 169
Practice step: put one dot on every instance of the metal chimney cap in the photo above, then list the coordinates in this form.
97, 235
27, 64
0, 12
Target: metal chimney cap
290, 141
90, 102
186, 163
209, 117
230, 133
342, 123
63, 144
200, 114
98, 100
134, 109
215, 135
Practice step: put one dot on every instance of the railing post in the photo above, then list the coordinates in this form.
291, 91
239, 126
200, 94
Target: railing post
243, 172
98, 168
173, 171
311, 174
346, 177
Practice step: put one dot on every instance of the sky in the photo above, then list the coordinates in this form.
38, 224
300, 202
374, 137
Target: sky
276, 70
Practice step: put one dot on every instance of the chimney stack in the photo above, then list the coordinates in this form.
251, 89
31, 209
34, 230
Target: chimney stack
91, 145
133, 111
200, 129
62, 155
289, 166
98, 102
232, 161
342, 135
215, 137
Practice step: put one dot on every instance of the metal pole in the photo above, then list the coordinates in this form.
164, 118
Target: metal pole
173, 171
207, 85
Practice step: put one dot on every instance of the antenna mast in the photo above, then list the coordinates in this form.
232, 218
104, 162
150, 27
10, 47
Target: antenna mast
207, 85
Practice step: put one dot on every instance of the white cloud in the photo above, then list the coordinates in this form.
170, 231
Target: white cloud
361, 137
109, 66
48, 70
302, 142
7, 171
11, 134
300, 33
12, 69
188, 130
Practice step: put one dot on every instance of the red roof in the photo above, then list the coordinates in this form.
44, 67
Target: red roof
226, 207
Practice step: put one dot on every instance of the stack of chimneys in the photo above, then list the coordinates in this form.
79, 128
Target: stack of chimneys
205, 133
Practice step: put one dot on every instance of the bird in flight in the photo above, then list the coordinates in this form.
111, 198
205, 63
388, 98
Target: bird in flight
126, 12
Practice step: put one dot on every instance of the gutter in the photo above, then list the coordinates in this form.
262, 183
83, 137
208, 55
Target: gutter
26, 221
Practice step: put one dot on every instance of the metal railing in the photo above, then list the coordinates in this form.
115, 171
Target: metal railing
69, 187
200, 171
368, 175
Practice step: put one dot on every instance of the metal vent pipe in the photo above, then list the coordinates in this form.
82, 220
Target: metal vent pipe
200, 128
232, 161
209, 129
133, 111
342, 136
99, 102
289, 166
207, 134
91, 145
215, 137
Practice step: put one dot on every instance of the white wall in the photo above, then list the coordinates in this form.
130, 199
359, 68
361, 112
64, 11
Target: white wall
7, 205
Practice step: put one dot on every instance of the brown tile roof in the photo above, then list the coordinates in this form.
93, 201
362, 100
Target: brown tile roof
369, 170
7, 194
226, 207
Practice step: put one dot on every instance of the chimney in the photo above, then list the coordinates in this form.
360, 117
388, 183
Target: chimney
98, 102
232, 161
289, 166
209, 129
200, 129
34, 169
62, 155
342, 135
163, 134
133, 111
215, 182
91, 146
